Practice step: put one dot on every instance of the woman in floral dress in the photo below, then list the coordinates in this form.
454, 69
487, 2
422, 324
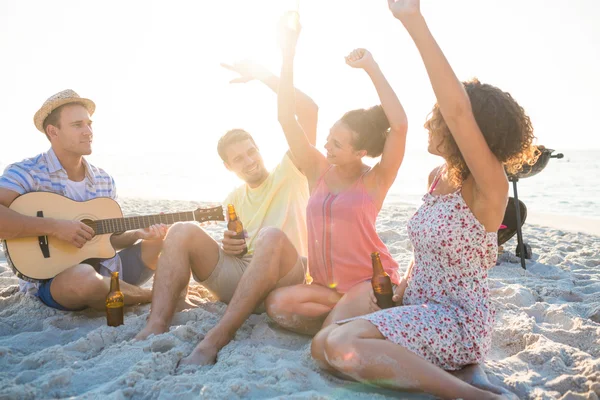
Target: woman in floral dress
444, 318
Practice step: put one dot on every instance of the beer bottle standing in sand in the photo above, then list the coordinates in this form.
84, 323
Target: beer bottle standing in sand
234, 224
382, 284
115, 302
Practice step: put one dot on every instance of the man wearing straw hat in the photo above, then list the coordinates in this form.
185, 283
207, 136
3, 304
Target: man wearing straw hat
272, 208
65, 120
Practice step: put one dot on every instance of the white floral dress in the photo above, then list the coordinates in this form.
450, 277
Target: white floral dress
446, 317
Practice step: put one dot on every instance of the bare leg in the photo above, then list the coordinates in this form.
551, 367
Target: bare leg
81, 286
475, 375
150, 251
357, 350
306, 309
301, 308
273, 258
317, 350
186, 247
354, 303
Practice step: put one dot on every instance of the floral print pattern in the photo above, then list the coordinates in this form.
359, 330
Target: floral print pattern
446, 317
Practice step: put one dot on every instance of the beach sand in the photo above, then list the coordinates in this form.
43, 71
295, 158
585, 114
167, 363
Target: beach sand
546, 341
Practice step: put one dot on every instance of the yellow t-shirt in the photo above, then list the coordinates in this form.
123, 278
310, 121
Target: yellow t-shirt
280, 201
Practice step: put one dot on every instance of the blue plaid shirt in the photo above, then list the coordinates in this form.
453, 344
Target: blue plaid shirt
44, 173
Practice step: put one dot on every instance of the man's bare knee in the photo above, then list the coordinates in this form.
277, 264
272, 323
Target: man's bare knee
188, 247
271, 237
272, 242
83, 281
183, 231
185, 235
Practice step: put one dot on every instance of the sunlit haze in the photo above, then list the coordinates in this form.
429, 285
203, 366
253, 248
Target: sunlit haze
152, 67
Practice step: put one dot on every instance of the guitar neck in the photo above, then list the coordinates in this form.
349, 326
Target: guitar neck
114, 225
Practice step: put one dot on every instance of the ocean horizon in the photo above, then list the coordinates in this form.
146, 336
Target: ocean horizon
567, 187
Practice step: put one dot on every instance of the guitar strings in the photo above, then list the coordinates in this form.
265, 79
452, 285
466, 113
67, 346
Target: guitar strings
129, 223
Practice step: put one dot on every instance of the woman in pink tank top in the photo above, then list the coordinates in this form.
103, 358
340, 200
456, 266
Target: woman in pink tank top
346, 196
444, 319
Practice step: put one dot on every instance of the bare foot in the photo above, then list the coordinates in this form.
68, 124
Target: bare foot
475, 375
506, 396
204, 355
187, 303
150, 330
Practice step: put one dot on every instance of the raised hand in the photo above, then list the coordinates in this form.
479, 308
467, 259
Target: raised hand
289, 30
73, 232
248, 71
360, 58
402, 9
154, 232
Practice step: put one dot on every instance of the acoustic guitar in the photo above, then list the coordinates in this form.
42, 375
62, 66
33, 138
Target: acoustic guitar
41, 258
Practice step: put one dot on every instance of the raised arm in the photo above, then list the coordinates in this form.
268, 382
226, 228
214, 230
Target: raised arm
455, 106
308, 159
306, 109
393, 151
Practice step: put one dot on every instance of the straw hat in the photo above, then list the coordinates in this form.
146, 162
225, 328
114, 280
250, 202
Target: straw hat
57, 100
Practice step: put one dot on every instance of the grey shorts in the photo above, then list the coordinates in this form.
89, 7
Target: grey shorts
224, 279
135, 272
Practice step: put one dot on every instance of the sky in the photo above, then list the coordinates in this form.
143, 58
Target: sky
152, 68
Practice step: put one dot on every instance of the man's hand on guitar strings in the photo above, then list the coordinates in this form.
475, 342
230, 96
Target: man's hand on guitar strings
74, 232
154, 232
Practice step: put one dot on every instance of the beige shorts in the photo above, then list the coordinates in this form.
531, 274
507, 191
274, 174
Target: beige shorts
229, 270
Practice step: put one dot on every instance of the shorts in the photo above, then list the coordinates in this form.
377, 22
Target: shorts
224, 279
135, 272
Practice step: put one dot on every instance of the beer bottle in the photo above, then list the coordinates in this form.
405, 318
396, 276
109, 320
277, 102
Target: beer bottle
115, 302
234, 224
292, 20
382, 284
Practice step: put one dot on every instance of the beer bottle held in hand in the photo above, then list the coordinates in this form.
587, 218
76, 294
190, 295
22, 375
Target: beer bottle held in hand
115, 302
234, 224
292, 20
382, 284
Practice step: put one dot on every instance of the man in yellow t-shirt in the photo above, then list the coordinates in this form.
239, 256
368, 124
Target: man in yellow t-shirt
272, 208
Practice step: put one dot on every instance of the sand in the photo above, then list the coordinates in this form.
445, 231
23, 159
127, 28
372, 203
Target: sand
546, 342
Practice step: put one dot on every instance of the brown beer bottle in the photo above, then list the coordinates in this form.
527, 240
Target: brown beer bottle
115, 302
382, 284
234, 224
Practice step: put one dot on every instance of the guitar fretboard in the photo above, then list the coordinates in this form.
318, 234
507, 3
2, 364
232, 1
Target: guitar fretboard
103, 226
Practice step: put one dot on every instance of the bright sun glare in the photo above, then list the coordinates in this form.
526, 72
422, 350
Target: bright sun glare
152, 67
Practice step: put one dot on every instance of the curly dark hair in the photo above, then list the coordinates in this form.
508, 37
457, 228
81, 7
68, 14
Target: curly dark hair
371, 128
504, 124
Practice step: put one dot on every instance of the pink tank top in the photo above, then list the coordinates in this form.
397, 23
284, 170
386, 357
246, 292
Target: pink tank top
342, 236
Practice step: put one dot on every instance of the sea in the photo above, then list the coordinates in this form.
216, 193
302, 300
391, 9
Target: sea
569, 186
